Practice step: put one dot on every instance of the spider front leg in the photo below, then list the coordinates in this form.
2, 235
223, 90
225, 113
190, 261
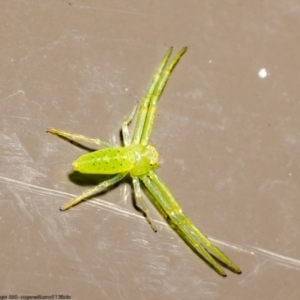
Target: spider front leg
152, 104
103, 185
139, 126
77, 137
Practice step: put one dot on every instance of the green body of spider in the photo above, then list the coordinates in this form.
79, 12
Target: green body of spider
139, 159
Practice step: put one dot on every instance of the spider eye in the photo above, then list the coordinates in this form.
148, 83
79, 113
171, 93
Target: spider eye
153, 155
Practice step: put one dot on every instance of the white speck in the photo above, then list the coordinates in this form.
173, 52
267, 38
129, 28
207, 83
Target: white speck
262, 73
126, 89
210, 61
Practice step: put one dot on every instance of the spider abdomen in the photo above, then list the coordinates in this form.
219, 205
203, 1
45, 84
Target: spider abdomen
106, 161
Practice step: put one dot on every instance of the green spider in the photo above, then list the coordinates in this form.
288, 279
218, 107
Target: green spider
139, 159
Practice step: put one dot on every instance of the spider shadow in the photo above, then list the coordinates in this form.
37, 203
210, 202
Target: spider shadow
87, 179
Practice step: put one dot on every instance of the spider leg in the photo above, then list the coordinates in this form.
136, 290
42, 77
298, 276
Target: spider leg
96, 189
77, 137
141, 202
125, 131
151, 113
145, 102
190, 233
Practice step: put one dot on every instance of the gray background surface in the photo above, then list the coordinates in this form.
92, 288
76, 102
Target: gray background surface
228, 137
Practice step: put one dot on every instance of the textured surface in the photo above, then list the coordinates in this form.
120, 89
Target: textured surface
227, 131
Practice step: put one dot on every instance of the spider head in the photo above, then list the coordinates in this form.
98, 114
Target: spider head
146, 159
